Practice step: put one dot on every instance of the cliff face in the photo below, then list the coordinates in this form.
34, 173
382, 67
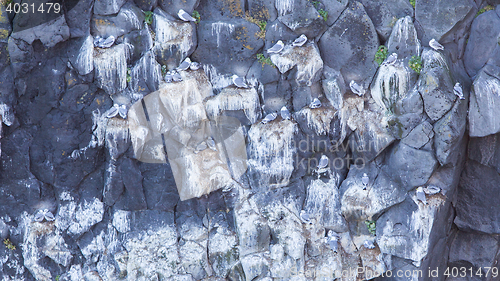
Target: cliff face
366, 151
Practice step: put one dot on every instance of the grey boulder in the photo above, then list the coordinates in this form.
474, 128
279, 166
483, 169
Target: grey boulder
482, 41
484, 98
437, 18
411, 167
385, 14
476, 205
107, 7
350, 44
435, 84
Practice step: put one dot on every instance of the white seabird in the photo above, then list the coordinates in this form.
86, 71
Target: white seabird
168, 77
301, 40
323, 162
49, 216
435, 45
458, 91
176, 76
239, 81
431, 190
122, 110
104, 43
332, 233
332, 239
391, 59
211, 144
285, 114
200, 147
113, 111
356, 88
183, 15
316, 103
270, 117
276, 48
365, 180
194, 65
421, 195
184, 65
304, 216
369, 244
333, 242
44, 214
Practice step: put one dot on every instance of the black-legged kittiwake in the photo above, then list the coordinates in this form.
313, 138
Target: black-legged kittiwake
458, 91
183, 15
113, 111
44, 214
200, 147
323, 162
369, 244
184, 65
122, 110
435, 45
194, 65
421, 195
431, 190
316, 103
301, 40
270, 117
239, 81
104, 43
365, 180
304, 216
211, 144
176, 76
168, 77
391, 59
356, 88
333, 242
276, 48
332, 239
285, 114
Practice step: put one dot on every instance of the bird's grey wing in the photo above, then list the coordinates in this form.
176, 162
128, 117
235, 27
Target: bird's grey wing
333, 245
112, 112
421, 196
194, 65
276, 48
123, 111
49, 216
38, 216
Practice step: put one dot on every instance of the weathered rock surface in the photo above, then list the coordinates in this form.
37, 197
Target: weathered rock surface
229, 46
483, 40
436, 19
484, 97
174, 40
107, 7
265, 169
356, 43
49, 31
128, 19
184, 180
404, 40
301, 16
486, 151
385, 14
475, 192
435, 84
110, 67
306, 58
